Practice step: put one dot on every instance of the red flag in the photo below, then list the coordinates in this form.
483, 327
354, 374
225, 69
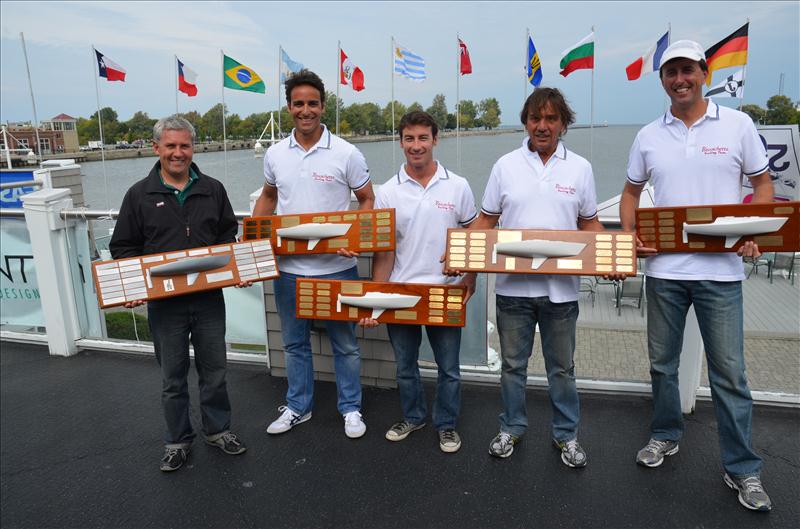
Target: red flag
349, 73
466, 64
187, 79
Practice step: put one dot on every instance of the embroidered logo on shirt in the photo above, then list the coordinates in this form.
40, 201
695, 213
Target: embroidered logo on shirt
446, 206
159, 204
322, 177
569, 190
713, 150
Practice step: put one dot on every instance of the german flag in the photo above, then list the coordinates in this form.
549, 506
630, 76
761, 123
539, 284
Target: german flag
730, 51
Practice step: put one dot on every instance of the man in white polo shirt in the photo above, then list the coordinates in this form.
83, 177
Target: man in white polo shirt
696, 153
427, 199
541, 185
313, 170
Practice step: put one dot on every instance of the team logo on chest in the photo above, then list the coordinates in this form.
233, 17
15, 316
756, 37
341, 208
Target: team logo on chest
713, 151
567, 190
444, 206
321, 177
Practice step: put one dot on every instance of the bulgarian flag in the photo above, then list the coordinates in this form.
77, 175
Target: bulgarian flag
578, 57
730, 51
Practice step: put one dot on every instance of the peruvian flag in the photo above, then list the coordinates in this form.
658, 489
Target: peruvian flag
109, 69
187, 79
349, 73
650, 61
465, 65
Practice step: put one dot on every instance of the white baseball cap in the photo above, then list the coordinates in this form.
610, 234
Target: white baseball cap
686, 49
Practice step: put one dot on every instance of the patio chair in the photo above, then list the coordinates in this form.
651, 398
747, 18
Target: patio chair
632, 289
587, 285
783, 261
765, 260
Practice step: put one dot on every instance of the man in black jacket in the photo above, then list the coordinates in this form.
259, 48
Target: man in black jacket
176, 207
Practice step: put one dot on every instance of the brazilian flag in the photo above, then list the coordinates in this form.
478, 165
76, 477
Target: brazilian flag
239, 77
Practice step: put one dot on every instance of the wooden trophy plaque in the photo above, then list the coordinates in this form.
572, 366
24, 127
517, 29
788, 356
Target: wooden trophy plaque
775, 227
408, 303
169, 274
370, 230
541, 251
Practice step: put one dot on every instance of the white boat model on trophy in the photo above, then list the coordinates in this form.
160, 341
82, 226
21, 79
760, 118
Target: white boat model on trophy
734, 228
378, 302
538, 250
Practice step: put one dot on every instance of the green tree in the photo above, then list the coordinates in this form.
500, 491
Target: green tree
414, 106
329, 115
780, 111
140, 126
212, 123
451, 121
386, 114
489, 113
468, 112
756, 113
196, 120
438, 111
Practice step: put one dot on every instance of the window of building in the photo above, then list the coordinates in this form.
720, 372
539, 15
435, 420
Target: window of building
22, 143
44, 146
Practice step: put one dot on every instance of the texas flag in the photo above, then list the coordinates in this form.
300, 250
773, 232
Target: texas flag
349, 73
187, 79
109, 69
650, 61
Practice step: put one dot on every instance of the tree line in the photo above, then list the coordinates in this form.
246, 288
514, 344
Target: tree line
780, 111
354, 119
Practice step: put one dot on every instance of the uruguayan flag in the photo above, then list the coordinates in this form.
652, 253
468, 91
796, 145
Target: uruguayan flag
408, 64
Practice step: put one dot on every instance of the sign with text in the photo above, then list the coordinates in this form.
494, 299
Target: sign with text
20, 301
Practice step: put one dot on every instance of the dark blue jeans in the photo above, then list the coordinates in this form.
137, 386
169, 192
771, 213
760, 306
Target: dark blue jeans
174, 322
718, 305
516, 320
296, 334
446, 344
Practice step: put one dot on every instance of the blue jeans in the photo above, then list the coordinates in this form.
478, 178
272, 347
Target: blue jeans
296, 334
516, 320
446, 344
718, 305
174, 322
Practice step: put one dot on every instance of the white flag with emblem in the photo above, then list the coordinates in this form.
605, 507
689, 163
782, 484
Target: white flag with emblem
732, 86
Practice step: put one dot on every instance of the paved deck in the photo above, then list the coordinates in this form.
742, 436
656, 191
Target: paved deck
81, 441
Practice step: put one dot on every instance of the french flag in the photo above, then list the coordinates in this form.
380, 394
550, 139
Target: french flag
650, 61
109, 69
187, 79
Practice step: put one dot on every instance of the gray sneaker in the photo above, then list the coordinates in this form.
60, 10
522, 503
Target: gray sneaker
503, 444
174, 458
572, 453
653, 454
751, 492
401, 430
449, 440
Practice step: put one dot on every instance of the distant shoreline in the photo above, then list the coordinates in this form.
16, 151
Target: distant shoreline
236, 145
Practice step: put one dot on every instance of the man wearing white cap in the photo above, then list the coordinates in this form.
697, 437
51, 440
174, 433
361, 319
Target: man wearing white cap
696, 153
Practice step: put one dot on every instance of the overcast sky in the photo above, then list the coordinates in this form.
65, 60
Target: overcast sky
144, 36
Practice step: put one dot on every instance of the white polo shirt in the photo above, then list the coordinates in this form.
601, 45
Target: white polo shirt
319, 179
422, 216
530, 195
703, 164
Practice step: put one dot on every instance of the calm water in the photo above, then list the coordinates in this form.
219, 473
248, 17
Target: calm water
478, 154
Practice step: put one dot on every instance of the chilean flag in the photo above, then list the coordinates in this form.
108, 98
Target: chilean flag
650, 61
109, 69
187, 79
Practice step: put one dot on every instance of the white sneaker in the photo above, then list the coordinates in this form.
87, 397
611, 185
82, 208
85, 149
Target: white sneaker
287, 420
354, 426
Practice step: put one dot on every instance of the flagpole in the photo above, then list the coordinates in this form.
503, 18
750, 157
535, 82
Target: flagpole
338, 79
176, 84
100, 125
591, 112
744, 76
391, 72
280, 130
458, 102
33, 101
669, 41
525, 77
224, 135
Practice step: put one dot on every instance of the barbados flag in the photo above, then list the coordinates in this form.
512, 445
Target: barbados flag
237, 76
